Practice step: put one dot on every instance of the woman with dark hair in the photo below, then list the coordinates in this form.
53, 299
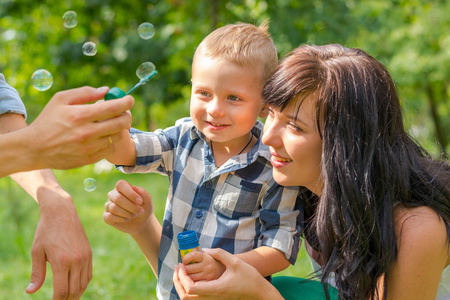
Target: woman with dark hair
377, 207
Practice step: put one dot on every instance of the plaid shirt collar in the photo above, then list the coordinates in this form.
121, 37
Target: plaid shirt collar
259, 149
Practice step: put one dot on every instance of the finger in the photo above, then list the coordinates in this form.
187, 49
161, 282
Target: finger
112, 220
105, 110
194, 256
38, 270
74, 282
120, 205
90, 267
127, 191
146, 198
60, 283
86, 271
98, 125
182, 280
139, 191
200, 289
82, 95
176, 282
197, 276
118, 211
193, 268
226, 258
94, 146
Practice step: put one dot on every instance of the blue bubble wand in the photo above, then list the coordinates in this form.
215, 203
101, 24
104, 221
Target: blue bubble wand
116, 92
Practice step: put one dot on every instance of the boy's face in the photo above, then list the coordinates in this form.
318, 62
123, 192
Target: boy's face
225, 100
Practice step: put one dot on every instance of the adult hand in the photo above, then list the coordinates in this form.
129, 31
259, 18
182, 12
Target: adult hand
60, 240
239, 281
70, 133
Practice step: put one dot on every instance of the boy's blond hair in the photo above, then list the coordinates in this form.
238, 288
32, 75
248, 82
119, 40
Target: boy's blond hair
244, 44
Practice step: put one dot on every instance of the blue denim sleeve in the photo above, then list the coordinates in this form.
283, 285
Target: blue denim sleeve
10, 101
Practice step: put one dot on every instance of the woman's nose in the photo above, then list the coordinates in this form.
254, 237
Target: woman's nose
271, 135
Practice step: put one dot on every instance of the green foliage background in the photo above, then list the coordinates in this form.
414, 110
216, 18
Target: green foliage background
410, 37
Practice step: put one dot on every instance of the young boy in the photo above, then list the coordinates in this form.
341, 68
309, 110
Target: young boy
220, 173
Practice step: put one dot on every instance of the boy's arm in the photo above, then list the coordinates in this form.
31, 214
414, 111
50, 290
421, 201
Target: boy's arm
265, 259
281, 217
149, 240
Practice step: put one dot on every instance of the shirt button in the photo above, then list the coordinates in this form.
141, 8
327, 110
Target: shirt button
198, 214
208, 185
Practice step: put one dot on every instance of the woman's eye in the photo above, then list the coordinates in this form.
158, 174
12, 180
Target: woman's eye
204, 94
233, 98
294, 127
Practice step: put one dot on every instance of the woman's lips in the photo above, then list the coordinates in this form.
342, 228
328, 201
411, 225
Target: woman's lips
279, 161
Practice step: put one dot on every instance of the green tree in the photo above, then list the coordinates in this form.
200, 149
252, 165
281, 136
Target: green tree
409, 36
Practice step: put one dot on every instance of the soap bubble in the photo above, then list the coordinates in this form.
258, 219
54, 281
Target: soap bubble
89, 49
42, 80
70, 19
145, 69
89, 184
146, 30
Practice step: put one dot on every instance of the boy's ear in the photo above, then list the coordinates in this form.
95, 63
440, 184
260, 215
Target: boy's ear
264, 112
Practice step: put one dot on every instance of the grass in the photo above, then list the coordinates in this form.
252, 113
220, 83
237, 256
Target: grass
120, 271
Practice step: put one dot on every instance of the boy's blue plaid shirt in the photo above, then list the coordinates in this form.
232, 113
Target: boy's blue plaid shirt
237, 207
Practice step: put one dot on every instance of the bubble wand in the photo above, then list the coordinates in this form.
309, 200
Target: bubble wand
116, 92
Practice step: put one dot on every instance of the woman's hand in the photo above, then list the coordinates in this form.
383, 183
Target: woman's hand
239, 281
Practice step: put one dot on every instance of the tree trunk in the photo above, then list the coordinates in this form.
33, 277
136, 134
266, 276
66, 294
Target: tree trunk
440, 135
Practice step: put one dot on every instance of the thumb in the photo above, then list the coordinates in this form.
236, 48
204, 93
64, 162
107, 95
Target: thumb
38, 270
83, 95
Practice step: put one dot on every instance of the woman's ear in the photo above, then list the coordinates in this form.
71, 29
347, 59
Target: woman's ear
264, 112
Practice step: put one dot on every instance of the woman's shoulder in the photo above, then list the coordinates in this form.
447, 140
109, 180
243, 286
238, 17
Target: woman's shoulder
421, 230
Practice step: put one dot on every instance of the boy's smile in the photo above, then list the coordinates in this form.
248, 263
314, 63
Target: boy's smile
225, 101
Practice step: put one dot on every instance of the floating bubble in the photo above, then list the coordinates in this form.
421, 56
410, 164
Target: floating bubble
70, 19
89, 184
42, 80
145, 69
89, 49
146, 30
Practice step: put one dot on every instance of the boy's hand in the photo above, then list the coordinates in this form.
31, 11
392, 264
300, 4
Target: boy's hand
128, 208
204, 267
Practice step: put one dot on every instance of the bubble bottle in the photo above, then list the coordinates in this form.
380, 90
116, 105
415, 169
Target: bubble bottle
188, 242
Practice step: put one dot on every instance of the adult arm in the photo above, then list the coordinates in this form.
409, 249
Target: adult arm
423, 252
68, 133
59, 237
239, 281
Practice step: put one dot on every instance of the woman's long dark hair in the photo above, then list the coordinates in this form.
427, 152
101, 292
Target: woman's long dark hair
369, 163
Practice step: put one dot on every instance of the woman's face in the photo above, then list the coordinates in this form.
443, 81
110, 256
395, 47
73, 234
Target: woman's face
295, 145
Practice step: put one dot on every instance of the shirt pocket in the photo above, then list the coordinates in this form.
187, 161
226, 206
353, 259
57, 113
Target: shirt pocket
237, 197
